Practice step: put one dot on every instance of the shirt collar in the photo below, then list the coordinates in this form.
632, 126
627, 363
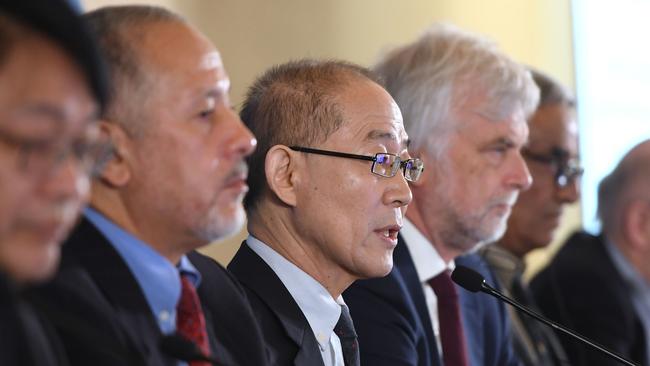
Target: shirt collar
428, 263
627, 271
506, 265
321, 310
158, 277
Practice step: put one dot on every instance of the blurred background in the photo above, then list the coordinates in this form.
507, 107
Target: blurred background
598, 50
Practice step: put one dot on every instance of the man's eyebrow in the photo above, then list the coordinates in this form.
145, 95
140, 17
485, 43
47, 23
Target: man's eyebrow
389, 136
504, 141
46, 110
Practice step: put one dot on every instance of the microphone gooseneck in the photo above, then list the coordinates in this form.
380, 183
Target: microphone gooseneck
473, 281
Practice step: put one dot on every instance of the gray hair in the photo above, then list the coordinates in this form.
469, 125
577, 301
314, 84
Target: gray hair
628, 181
431, 75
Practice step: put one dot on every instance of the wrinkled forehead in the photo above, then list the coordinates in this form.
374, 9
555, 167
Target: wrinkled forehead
370, 114
173, 45
554, 127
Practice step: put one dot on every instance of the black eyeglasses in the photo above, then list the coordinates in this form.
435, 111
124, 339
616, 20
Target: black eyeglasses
383, 164
566, 170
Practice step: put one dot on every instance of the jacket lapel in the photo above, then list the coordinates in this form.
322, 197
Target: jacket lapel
116, 282
260, 278
405, 265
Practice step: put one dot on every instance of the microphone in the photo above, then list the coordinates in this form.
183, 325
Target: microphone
473, 281
181, 348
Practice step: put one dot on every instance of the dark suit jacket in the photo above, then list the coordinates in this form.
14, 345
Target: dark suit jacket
25, 338
290, 339
103, 318
582, 289
394, 327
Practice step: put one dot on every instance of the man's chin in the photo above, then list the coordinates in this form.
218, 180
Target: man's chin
494, 234
36, 269
226, 229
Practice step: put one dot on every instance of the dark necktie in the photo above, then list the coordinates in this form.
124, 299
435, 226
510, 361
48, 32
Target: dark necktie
190, 321
454, 351
344, 329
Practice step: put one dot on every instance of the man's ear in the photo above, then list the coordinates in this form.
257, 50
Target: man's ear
637, 224
281, 173
115, 170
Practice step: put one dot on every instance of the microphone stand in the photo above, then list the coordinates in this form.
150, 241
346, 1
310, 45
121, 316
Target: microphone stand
492, 291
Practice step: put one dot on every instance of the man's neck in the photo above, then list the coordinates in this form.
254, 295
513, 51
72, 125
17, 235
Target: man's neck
446, 252
278, 234
114, 210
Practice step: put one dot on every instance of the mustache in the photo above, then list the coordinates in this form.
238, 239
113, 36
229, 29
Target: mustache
238, 171
509, 200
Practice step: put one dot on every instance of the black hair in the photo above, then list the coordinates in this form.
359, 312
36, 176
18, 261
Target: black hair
58, 22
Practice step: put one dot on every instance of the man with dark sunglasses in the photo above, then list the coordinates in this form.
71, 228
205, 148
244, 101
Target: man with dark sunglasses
552, 158
328, 192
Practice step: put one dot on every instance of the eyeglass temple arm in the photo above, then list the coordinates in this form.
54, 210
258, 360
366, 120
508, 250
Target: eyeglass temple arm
332, 153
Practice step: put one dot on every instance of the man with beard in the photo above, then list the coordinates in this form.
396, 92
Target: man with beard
552, 157
465, 107
173, 180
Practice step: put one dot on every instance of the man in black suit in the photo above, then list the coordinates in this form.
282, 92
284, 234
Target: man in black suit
172, 180
465, 106
52, 88
600, 285
328, 191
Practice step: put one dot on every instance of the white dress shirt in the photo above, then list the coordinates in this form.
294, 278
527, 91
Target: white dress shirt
321, 310
428, 264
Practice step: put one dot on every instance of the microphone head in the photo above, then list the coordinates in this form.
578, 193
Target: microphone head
181, 348
468, 278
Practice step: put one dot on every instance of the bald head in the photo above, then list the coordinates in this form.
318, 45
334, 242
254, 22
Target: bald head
121, 30
629, 181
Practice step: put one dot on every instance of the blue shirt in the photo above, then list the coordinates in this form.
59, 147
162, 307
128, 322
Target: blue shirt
158, 278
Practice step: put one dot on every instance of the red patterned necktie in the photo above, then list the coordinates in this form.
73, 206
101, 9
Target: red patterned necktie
190, 321
454, 350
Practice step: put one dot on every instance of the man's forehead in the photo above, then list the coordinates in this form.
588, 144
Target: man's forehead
173, 44
46, 91
211, 60
387, 133
549, 134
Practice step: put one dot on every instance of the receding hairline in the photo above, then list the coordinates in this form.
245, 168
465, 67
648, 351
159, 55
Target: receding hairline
121, 32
